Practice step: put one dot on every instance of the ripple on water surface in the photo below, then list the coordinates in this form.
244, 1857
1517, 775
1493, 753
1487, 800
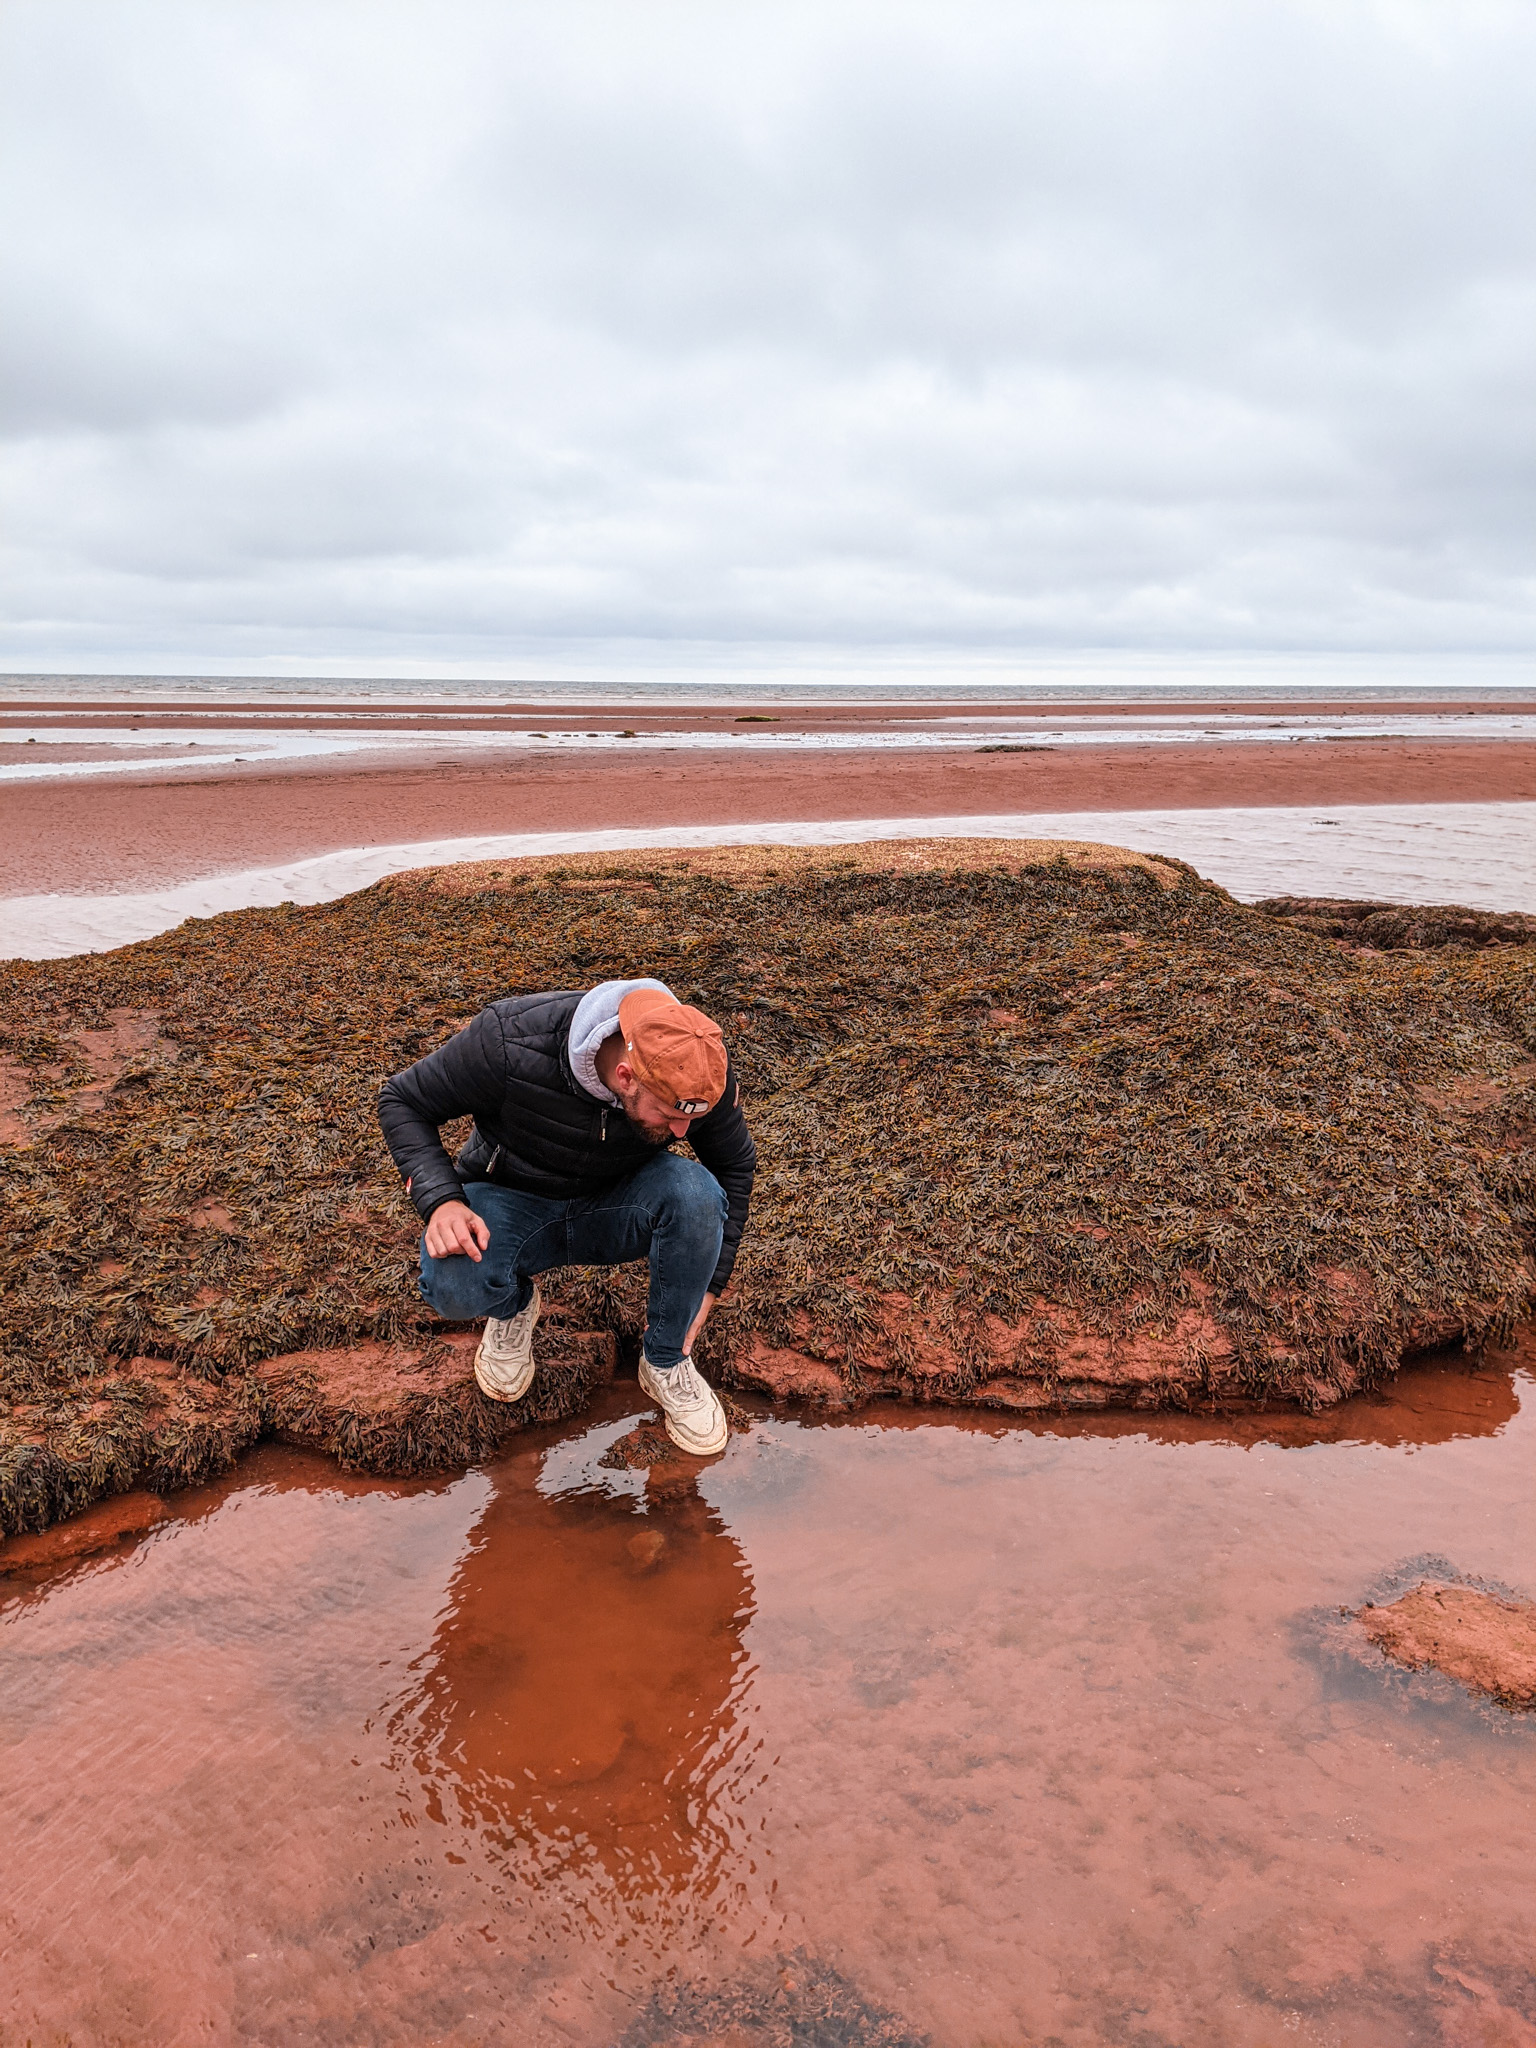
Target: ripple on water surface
874, 1730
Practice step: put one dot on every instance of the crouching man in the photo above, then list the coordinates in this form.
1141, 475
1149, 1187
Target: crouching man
577, 1100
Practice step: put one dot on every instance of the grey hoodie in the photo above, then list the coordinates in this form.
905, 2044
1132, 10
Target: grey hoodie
597, 1018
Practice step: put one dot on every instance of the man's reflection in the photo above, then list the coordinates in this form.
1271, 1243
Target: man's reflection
580, 1696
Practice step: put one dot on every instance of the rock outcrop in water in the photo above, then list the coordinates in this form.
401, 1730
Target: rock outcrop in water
1484, 1640
1041, 1126
1430, 1635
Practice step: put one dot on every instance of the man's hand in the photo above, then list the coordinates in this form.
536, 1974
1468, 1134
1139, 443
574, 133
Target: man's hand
454, 1227
698, 1323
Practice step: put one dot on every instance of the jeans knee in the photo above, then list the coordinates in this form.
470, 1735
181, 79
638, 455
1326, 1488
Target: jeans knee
462, 1290
694, 1200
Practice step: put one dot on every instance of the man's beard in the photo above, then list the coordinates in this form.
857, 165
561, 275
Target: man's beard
648, 1132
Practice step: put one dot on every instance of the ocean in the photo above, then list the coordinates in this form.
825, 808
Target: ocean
1107, 678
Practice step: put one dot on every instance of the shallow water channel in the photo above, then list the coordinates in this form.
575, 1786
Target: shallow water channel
910, 1725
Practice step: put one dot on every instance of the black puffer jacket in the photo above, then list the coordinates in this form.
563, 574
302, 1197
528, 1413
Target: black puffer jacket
536, 1127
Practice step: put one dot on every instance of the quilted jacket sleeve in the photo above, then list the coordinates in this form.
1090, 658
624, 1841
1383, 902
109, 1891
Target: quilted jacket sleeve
465, 1077
722, 1142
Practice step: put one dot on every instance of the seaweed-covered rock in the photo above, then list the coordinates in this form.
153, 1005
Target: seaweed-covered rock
1039, 1125
390, 1408
1399, 927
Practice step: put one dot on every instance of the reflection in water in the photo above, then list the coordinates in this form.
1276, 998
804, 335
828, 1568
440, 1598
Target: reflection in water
907, 1724
578, 1696
1438, 1399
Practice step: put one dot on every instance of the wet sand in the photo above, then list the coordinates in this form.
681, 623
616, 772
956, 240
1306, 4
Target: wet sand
137, 834
1017, 1728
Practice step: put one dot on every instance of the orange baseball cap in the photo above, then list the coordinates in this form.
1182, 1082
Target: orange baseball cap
678, 1052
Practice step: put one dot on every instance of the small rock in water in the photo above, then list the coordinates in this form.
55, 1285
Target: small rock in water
639, 1448
1482, 1640
646, 1548
100, 1528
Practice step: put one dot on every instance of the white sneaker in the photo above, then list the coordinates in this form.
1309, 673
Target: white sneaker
690, 1407
504, 1362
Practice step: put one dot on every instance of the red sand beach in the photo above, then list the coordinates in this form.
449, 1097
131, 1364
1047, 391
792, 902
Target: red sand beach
140, 832
889, 1727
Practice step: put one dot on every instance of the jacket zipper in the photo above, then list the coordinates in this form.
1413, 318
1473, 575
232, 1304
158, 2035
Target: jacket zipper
602, 1132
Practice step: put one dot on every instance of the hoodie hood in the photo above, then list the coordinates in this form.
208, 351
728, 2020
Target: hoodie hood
597, 1018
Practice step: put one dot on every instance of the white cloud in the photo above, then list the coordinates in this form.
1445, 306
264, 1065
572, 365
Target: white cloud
500, 334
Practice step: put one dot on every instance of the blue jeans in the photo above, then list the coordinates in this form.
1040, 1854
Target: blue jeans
672, 1210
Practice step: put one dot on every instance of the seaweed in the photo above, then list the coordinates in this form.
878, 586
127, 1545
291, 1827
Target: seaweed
794, 2001
1398, 927
1035, 1125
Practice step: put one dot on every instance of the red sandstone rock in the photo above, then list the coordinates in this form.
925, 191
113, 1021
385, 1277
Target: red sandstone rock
98, 1529
374, 1407
387, 1408
1473, 2015
1053, 1359
1484, 1642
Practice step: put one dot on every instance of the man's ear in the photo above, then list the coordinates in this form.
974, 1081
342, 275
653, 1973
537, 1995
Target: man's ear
624, 1076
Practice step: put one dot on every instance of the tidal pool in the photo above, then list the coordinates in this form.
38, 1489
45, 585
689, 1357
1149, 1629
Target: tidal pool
914, 1725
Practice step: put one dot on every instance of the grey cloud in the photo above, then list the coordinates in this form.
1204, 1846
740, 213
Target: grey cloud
987, 327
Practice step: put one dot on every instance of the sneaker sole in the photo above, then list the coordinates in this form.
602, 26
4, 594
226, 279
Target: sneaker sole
501, 1393
691, 1445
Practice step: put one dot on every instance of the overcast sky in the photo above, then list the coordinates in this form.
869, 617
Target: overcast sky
587, 339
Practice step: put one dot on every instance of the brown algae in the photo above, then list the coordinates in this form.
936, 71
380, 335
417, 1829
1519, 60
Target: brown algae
1040, 1128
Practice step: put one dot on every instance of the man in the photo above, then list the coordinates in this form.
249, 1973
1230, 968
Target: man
577, 1100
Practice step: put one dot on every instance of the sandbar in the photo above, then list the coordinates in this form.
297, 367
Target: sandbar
140, 832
